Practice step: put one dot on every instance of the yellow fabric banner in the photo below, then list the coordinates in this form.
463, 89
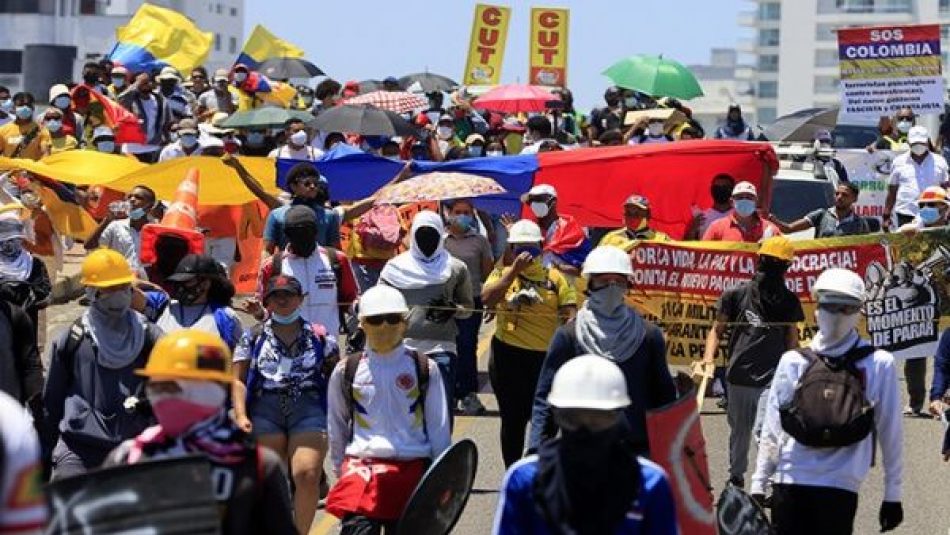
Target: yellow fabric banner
547, 46
486, 49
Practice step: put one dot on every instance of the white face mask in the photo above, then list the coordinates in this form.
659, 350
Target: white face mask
540, 209
656, 129
299, 138
834, 327
445, 132
494, 153
919, 149
904, 126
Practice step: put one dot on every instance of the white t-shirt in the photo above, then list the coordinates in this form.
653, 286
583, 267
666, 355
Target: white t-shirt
305, 153
22, 507
122, 238
175, 150
912, 178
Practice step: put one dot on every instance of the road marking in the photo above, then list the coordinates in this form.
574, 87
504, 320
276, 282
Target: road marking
462, 423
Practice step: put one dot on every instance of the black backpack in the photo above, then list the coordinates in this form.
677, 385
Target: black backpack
829, 408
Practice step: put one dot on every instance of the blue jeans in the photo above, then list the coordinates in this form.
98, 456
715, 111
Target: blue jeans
446, 363
466, 379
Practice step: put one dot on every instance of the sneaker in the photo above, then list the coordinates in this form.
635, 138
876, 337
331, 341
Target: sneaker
919, 413
471, 405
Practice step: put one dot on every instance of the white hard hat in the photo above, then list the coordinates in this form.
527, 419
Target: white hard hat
589, 382
839, 286
541, 190
382, 299
918, 134
607, 259
525, 231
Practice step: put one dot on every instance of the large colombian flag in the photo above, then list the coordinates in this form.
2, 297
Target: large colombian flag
157, 37
262, 45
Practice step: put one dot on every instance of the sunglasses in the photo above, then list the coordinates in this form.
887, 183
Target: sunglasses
836, 308
937, 205
391, 319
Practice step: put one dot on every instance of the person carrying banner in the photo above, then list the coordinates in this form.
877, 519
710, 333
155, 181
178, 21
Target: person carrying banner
842, 387
636, 226
912, 172
387, 419
762, 316
892, 133
721, 192
530, 302
92, 394
607, 327
189, 379
589, 480
839, 220
565, 241
744, 224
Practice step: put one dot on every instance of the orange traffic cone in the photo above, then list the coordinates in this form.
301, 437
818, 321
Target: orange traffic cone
180, 220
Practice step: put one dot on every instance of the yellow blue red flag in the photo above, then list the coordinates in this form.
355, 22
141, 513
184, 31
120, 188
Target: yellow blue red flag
262, 45
157, 37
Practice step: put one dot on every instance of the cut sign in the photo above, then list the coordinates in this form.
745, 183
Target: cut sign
548, 47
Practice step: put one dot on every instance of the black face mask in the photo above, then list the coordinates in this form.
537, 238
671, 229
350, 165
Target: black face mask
772, 271
721, 194
303, 239
90, 78
427, 238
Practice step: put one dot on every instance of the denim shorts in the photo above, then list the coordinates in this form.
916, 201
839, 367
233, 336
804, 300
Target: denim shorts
275, 413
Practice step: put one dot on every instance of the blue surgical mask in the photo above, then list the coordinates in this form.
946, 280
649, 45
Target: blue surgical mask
118, 81
137, 213
286, 320
106, 146
61, 102
744, 207
533, 250
255, 138
188, 140
929, 215
53, 125
463, 222
6, 105
24, 113
475, 152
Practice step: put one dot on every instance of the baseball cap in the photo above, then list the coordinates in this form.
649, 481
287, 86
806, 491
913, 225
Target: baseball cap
169, 73
187, 126
918, 134
195, 265
637, 200
472, 138
541, 190
744, 187
283, 283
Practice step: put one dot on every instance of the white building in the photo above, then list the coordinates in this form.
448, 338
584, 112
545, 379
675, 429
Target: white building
794, 47
89, 25
724, 82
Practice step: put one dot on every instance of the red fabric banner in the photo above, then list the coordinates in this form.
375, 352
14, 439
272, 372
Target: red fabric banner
593, 183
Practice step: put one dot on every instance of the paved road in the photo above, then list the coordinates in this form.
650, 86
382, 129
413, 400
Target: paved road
926, 477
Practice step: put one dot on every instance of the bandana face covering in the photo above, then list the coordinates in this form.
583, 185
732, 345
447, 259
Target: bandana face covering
197, 401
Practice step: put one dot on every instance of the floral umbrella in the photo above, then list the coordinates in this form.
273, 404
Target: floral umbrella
438, 186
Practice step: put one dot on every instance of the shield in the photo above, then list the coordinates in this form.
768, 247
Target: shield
439, 499
677, 444
738, 514
160, 497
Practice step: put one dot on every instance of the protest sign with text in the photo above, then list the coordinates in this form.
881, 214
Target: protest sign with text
486, 49
547, 47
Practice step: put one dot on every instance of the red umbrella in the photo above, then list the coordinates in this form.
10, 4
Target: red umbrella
515, 98
397, 101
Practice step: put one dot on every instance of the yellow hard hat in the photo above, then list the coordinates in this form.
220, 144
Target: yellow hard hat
190, 354
778, 247
104, 268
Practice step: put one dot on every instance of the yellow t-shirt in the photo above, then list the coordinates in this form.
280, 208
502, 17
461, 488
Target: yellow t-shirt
63, 144
11, 134
532, 326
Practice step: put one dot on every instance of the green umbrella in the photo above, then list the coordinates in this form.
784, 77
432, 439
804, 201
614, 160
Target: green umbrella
268, 117
655, 76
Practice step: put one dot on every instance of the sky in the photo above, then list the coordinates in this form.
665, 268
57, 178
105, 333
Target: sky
360, 39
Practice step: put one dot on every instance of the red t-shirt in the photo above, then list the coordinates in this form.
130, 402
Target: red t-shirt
728, 229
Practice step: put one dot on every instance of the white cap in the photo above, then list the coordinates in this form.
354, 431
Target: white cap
540, 190
57, 90
589, 382
607, 259
102, 131
918, 134
119, 69
744, 187
839, 286
525, 231
169, 73
210, 142
380, 300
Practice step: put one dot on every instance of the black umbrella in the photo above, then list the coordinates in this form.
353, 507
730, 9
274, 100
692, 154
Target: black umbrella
428, 82
802, 125
283, 68
365, 120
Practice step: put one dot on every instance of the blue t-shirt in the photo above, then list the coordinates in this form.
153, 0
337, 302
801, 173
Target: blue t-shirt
652, 512
328, 225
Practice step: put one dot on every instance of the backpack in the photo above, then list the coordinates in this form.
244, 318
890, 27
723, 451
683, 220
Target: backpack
379, 229
829, 408
352, 362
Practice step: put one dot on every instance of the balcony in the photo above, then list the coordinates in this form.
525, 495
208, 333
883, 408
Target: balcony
748, 19
866, 6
